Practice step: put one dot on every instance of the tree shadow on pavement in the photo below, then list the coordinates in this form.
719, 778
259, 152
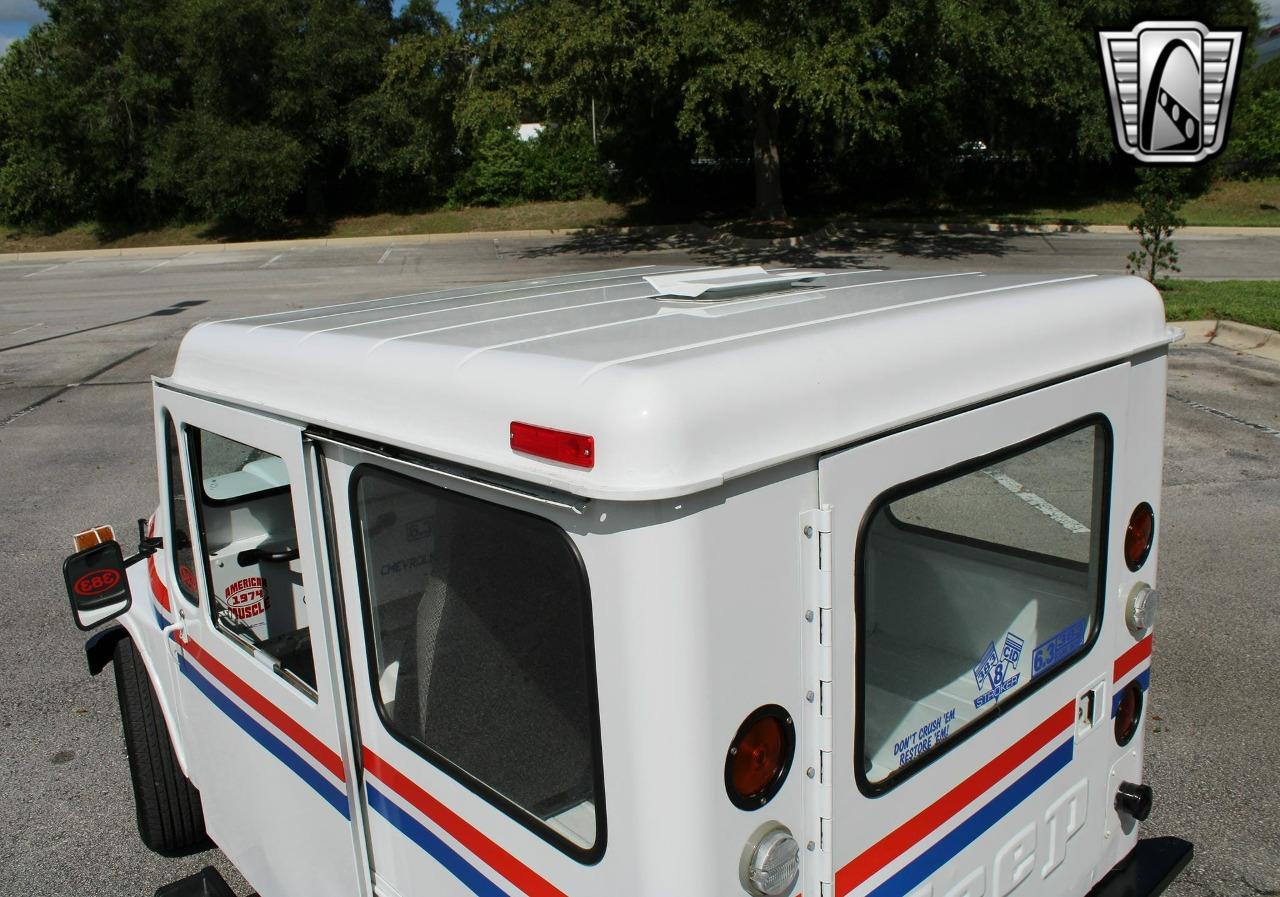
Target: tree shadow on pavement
842, 249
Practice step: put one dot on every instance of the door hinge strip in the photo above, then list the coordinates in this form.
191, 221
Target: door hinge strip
815, 530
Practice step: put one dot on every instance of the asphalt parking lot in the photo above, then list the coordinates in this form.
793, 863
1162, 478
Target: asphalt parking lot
80, 338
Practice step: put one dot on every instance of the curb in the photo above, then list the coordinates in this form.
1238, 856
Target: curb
268, 245
1245, 338
821, 236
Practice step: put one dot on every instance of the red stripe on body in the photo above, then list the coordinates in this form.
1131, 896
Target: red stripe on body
277, 717
928, 820
1131, 658
158, 588
324, 754
466, 834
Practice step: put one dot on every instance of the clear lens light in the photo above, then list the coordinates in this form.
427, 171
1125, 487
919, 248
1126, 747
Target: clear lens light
774, 866
1140, 612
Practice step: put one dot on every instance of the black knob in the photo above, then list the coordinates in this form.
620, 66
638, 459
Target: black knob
1134, 800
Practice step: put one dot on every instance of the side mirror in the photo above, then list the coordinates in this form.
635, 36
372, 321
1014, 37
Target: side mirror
97, 584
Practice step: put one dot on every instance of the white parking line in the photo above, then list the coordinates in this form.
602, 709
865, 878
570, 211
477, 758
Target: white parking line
1054, 513
25, 329
165, 262
384, 256
42, 270
274, 258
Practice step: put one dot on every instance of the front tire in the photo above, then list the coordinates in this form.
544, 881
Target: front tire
170, 817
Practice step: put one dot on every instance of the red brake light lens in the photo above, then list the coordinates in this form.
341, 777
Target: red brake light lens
1139, 535
759, 757
1128, 712
554, 445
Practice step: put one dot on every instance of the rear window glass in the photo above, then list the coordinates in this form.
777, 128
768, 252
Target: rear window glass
480, 626
976, 587
232, 470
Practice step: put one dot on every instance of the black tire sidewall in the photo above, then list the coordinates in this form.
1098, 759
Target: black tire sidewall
170, 817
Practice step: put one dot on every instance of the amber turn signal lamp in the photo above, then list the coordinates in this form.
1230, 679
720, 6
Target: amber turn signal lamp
91, 537
1138, 536
1128, 713
759, 757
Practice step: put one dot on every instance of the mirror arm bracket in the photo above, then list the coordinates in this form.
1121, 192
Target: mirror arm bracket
147, 545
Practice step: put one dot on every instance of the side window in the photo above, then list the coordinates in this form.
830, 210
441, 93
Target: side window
179, 542
975, 588
480, 626
250, 541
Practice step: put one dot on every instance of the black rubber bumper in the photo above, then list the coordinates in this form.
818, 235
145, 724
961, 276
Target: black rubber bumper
1148, 870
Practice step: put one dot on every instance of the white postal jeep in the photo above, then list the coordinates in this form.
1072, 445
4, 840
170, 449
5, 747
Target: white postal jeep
655, 582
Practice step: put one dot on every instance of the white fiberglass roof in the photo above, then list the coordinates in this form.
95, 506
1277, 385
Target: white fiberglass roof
679, 394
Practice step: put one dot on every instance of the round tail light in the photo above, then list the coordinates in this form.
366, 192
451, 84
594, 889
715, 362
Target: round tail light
1128, 713
1138, 536
759, 757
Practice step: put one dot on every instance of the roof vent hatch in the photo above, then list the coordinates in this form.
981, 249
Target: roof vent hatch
727, 283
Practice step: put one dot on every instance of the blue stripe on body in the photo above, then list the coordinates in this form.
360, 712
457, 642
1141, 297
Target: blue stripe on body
941, 853
419, 834
304, 770
1144, 682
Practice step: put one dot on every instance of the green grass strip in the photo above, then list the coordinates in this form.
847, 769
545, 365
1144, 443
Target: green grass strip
1254, 302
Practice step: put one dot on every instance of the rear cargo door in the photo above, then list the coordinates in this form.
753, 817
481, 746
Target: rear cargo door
970, 645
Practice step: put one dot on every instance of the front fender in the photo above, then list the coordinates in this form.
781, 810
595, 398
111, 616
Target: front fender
101, 646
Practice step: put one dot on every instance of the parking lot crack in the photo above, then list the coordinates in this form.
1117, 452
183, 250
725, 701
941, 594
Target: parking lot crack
64, 389
1225, 415
176, 308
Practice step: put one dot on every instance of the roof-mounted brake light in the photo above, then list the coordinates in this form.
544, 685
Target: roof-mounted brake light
554, 445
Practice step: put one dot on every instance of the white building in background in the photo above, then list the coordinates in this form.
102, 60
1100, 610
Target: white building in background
530, 130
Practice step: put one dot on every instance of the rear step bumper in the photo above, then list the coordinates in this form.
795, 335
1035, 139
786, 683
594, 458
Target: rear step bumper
205, 883
1148, 870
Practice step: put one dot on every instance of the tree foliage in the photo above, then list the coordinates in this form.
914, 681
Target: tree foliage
242, 175
558, 164
255, 112
1254, 148
1161, 193
402, 134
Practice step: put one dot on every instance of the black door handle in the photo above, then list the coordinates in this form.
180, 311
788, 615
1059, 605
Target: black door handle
258, 555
